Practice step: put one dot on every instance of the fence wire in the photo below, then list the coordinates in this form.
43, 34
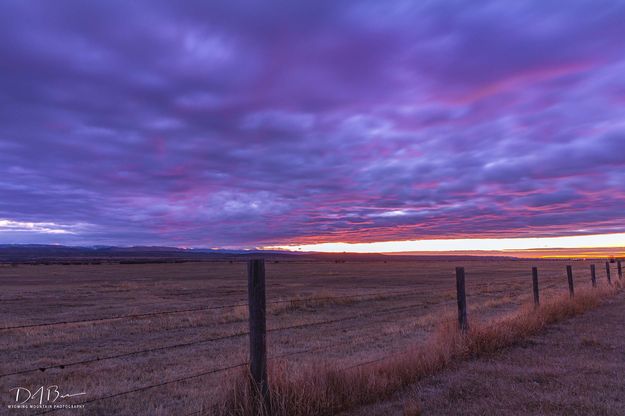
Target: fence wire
207, 308
62, 366
370, 296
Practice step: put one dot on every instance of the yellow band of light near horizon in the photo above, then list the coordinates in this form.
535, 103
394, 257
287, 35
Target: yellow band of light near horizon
468, 244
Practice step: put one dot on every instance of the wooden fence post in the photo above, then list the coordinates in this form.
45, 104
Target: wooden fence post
593, 275
462, 300
535, 286
258, 334
569, 275
620, 269
607, 271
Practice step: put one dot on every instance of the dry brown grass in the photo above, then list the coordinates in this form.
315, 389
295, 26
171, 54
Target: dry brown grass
322, 390
302, 303
38, 294
412, 408
298, 302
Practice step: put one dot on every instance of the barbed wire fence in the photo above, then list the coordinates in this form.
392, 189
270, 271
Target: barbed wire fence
257, 333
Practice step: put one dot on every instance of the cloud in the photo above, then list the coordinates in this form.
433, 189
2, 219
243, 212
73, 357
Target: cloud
242, 124
35, 227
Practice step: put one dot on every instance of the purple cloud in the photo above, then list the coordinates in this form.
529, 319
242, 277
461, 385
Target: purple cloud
240, 124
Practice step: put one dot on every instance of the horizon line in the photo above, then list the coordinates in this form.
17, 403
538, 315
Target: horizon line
577, 242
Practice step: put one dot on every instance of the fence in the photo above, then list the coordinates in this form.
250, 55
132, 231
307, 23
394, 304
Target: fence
257, 333
257, 320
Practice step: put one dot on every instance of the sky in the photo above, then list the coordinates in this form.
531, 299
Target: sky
241, 124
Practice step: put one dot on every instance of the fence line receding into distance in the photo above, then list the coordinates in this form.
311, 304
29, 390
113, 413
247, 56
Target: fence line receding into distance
258, 330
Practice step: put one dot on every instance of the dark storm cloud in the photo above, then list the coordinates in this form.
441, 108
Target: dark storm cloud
251, 123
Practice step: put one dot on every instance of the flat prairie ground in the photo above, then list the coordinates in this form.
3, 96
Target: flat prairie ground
375, 308
575, 367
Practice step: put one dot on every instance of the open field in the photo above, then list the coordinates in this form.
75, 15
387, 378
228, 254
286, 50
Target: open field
572, 368
377, 308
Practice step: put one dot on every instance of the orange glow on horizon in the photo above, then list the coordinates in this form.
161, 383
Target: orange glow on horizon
581, 242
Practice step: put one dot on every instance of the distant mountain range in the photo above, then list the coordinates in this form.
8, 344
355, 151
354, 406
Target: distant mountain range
38, 253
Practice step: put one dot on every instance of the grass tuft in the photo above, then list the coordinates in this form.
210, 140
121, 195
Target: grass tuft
325, 390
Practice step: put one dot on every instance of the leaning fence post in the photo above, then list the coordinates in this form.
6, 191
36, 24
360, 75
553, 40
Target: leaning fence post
607, 271
258, 333
569, 275
620, 270
535, 286
462, 300
593, 275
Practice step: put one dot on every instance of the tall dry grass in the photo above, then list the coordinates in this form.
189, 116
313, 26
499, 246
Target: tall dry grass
323, 389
